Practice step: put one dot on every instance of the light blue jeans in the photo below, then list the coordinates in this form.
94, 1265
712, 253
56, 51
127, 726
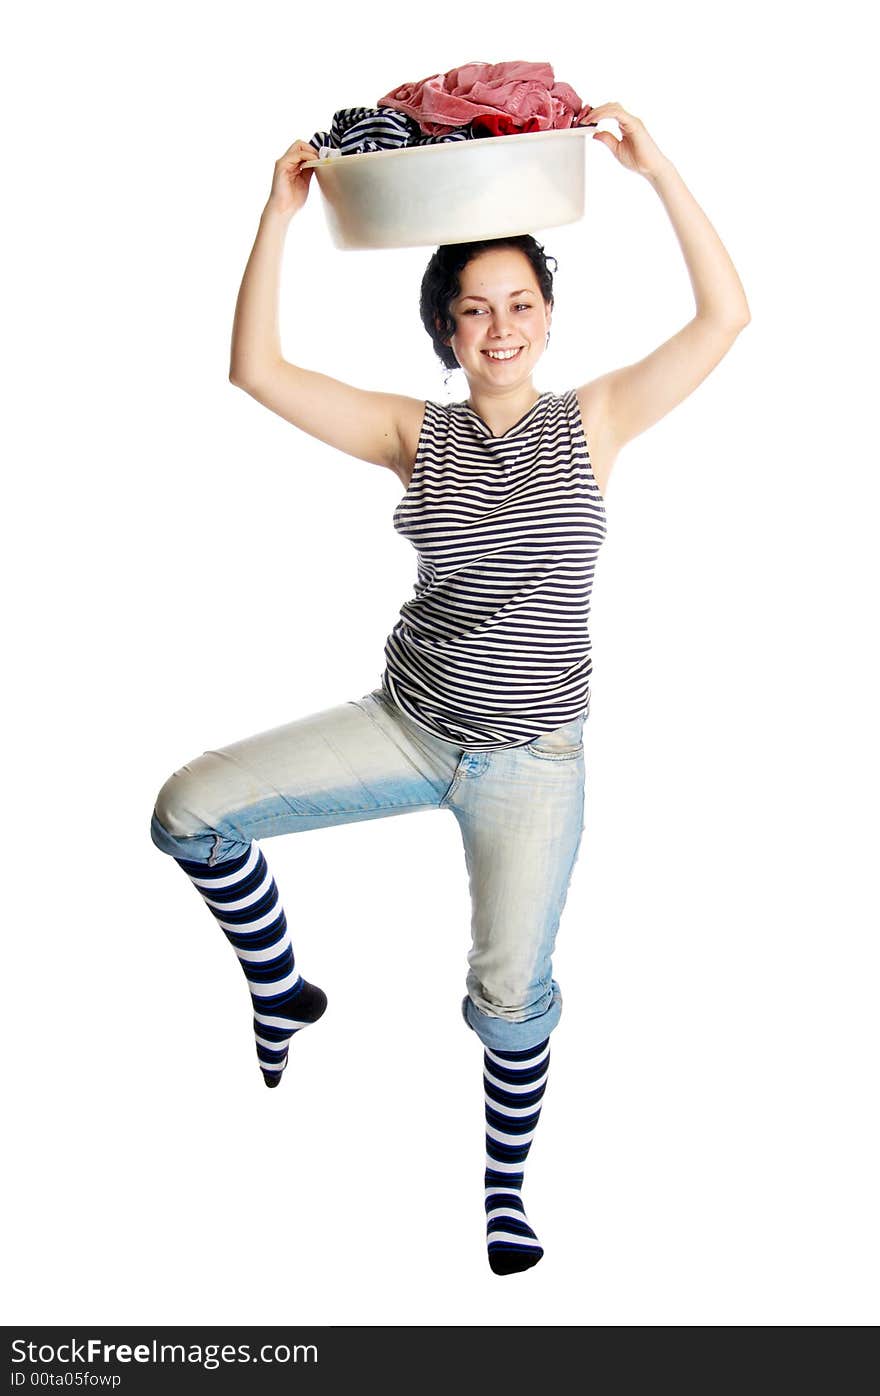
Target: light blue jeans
520, 812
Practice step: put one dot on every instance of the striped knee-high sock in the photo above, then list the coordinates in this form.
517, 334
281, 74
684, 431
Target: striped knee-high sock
514, 1085
242, 895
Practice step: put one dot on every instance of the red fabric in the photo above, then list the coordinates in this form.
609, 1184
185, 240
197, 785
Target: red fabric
497, 124
526, 93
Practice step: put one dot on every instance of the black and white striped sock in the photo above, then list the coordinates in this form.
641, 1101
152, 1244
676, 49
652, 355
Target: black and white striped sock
514, 1084
242, 895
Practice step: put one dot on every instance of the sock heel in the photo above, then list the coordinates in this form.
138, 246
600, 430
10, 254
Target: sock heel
276, 1022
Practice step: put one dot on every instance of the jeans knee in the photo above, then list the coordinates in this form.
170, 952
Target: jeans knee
173, 810
184, 825
178, 828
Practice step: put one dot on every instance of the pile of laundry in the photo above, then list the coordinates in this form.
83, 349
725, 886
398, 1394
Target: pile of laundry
467, 103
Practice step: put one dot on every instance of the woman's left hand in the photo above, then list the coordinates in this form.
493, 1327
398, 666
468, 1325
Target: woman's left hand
635, 149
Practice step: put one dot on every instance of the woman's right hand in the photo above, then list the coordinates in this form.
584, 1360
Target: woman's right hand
290, 183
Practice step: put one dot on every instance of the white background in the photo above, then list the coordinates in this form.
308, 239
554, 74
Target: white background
183, 568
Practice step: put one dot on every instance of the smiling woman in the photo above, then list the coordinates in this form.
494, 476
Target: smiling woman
487, 679
501, 328
503, 510
463, 282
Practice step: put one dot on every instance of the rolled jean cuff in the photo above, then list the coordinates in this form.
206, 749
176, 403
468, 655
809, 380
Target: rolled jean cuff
210, 848
505, 1036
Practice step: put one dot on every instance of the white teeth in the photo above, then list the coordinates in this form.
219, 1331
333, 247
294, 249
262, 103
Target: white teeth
502, 353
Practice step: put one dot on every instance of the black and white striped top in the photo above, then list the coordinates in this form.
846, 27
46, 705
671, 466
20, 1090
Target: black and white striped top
493, 648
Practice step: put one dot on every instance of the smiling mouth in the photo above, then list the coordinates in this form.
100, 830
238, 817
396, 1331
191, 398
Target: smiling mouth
502, 356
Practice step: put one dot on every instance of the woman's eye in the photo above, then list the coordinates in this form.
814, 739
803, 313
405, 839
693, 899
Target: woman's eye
477, 310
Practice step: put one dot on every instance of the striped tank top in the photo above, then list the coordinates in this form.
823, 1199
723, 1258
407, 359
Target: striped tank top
493, 649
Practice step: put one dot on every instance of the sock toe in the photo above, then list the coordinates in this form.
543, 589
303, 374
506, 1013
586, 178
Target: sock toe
511, 1262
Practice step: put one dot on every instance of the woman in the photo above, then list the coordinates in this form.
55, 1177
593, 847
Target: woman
486, 687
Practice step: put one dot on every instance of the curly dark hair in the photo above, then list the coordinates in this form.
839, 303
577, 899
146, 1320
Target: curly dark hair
440, 284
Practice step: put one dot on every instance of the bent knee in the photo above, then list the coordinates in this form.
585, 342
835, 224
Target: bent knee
176, 807
191, 816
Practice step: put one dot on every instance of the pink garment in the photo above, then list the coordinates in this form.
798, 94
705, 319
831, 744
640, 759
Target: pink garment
525, 92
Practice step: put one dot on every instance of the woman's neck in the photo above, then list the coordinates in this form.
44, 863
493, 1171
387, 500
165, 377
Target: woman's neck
502, 410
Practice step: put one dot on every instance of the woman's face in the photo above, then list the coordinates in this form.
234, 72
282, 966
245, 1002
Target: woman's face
501, 320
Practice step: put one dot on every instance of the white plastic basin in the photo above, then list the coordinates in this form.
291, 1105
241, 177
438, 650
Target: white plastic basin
423, 195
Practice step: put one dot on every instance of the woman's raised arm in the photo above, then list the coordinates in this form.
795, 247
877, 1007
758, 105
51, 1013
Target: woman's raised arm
628, 400
371, 426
